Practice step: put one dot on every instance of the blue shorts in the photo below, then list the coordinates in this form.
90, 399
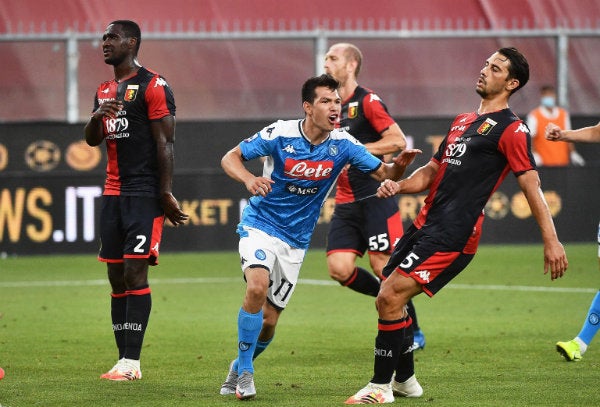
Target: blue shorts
373, 224
130, 228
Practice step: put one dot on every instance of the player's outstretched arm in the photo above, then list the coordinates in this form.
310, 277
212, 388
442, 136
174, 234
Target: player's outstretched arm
555, 258
233, 165
396, 168
418, 181
589, 134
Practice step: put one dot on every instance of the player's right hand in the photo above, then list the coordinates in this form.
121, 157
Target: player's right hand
109, 108
387, 189
553, 132
259, 186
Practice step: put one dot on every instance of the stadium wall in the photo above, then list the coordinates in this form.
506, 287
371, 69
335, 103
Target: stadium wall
51, 182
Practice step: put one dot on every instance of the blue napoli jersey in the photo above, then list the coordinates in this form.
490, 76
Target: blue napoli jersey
303, 176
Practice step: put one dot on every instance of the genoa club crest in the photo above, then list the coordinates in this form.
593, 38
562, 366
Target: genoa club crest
131, 93
486, 127
352, 110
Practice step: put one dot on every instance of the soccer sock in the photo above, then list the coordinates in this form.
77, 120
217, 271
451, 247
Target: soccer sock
405, 367
118, 312
139, 304
363, 282
410, 308
592, 322
260, 347
388, 345
249, 326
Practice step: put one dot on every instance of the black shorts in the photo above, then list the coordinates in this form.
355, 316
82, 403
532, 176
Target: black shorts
130, 228
374, 225
426, 260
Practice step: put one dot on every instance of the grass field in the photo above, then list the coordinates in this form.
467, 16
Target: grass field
490, 335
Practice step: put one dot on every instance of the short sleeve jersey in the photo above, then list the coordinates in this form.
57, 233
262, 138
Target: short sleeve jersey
474, 158
132, 167
303, 176
365, 116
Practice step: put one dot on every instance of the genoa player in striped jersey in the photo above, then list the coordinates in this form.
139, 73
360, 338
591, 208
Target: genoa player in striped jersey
480, 149
134, 113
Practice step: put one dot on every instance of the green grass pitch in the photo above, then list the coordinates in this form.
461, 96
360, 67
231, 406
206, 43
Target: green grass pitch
490, 334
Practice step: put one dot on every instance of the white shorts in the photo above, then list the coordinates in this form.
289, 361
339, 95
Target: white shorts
283, 262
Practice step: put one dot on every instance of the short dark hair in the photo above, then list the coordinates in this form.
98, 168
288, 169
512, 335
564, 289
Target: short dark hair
519, 67
131, 30
309, 88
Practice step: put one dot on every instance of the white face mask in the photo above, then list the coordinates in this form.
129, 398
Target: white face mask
548, 101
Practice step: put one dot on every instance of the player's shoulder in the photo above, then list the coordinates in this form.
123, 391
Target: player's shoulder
343, 136
366, 94
281, 128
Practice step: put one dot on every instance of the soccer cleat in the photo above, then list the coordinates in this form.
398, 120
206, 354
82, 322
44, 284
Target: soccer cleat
245, 386
372, 393
124, 370
419, 341
408, 388
569, 350
230, 383
111, 371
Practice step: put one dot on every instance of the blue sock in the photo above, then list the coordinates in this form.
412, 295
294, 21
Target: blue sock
592, 321
260, 347
249, 326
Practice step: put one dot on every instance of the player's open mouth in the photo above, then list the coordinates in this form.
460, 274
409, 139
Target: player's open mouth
333, 118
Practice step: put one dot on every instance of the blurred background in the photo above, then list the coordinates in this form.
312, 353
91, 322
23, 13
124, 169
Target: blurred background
235, 66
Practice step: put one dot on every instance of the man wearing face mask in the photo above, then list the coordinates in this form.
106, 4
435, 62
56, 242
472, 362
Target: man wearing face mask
545, 152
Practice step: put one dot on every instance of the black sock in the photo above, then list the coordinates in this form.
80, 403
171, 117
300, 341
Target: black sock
388, 344
405, 367
139, 304
363, 282
410, 307
118, 312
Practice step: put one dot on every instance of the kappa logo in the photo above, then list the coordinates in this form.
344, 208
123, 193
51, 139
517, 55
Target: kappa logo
522, 128
160, 82
289, 149
374, 97
423, 275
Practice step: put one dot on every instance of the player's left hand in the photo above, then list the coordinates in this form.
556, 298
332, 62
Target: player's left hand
555, 260
172, 209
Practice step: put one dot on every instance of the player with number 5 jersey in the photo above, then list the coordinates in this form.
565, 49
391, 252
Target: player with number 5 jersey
303, 160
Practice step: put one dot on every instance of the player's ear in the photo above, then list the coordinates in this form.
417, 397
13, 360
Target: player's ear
307, 108
512, 84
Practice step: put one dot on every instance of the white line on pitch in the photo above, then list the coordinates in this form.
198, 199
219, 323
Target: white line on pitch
223, 280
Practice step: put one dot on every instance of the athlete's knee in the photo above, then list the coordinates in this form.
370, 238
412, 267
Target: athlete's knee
339, 268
